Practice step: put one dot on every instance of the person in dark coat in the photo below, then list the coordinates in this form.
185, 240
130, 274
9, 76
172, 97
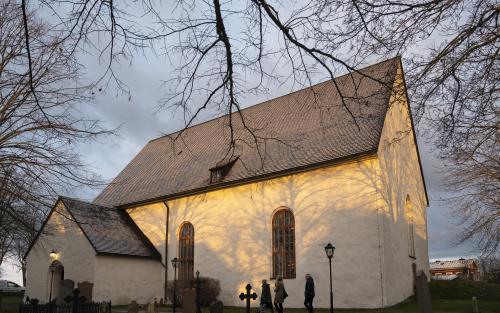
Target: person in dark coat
266, 301
279, 294
309, 293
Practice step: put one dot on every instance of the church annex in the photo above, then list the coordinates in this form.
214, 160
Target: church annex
309, 173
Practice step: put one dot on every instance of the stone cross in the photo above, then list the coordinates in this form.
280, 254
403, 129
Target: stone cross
248, 296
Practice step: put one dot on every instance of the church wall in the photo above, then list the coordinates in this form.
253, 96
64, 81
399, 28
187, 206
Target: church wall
400, 178
75, 253
123, 279
151, 219
233, 233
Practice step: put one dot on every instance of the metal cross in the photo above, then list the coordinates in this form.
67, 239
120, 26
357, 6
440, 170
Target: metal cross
248, 296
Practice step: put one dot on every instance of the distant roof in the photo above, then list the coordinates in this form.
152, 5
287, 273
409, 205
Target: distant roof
109, 230
462, 263
307, 127
445, 277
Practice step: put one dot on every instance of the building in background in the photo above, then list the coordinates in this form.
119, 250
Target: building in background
456, 269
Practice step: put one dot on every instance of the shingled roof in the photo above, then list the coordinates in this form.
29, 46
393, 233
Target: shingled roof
110, 230
295, 131
461, 263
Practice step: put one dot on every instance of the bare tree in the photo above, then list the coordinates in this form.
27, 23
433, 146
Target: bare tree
490, 268
40, 125
224, 51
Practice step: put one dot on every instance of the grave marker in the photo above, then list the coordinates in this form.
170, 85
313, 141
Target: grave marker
248, 296
66, 288
86, 290
217, 307
188, 300
133, 307
423, 294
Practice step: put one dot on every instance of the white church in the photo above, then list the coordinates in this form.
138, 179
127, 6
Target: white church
312, 170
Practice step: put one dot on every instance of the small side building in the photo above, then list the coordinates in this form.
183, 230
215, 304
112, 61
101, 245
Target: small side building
455, 269
91, 243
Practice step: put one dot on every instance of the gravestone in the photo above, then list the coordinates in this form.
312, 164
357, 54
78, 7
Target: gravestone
475, 307
86, 290
150, 308
217, 307
188, 300
156, 306
423, 294
153, 307
66, 288
76, 301
133, 307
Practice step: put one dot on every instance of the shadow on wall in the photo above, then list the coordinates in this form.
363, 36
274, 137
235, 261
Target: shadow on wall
233, 232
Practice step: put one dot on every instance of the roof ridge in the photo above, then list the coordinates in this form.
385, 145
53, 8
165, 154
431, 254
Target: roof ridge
272, 99
62, 198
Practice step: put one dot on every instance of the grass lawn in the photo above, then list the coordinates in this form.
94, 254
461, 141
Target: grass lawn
438, 306
11, 301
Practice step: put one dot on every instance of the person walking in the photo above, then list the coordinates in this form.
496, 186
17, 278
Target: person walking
279, 294
309, 293
266, 302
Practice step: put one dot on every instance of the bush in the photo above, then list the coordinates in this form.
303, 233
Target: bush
462, 289
209, 290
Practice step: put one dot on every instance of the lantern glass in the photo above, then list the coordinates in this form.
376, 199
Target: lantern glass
329, 249
53, 255
175, 262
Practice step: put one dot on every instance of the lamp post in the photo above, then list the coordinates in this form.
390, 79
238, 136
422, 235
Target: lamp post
330, 249
52, 267
198, 306
175, 262
52, 270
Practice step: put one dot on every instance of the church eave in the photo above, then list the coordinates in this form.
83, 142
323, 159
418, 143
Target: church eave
228, 184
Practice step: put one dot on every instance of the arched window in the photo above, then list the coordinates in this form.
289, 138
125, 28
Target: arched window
410, 216
284, 244
186, 251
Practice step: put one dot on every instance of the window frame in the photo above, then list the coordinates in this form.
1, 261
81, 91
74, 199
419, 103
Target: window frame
285, 249
185, 253
409, 211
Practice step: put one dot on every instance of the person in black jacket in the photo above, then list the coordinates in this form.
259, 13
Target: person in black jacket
309, 293
266, 301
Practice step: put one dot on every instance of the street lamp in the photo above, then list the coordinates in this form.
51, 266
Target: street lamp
330, 249
175, 262
53, 255
52, 268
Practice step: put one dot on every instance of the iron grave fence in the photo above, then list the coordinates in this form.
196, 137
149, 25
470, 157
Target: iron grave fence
91, 307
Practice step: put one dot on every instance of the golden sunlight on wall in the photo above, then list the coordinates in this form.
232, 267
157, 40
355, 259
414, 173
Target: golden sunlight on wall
400, 179
233, 233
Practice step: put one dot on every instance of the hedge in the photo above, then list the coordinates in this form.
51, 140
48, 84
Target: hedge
461, 290
209, 290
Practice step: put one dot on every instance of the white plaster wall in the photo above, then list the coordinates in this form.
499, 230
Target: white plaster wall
400, 177
123, 279
337, 204
75, 253
151, 219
